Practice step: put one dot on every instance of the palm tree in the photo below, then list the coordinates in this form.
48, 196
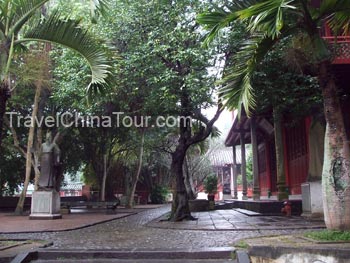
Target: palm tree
16, 28
268, 22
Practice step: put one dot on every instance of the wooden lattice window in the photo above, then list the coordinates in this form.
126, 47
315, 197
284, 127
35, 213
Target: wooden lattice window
296, 141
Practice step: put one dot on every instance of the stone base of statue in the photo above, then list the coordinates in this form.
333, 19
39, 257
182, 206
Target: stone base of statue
46, 204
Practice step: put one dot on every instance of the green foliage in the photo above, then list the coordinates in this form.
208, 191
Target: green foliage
159, 194
12, 167
281, 82
249, 170
329, 235
19, 25
211, 184
89, 177
162, 56
69, 34
268, 23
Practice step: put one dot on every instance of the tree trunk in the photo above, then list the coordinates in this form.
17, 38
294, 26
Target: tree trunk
180, 207
37, 173
36, 156
4, 96
135, 179
281, 175
189, 180
104, 178
39, 135
336, 167
20, 204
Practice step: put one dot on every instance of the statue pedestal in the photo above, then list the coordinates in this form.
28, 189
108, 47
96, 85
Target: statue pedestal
45, 205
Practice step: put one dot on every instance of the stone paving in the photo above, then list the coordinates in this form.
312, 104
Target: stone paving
232, 220
143, 230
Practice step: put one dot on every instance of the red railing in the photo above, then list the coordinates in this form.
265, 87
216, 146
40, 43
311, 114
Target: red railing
340, 45
341, 48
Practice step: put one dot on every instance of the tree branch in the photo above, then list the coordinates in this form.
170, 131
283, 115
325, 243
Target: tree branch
204, 133
16, 142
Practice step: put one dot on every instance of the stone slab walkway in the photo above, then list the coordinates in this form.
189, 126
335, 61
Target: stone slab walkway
234, 220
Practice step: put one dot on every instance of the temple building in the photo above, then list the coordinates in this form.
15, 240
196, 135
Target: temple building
303, 143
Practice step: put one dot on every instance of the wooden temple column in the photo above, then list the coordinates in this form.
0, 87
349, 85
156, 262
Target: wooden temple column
280, 157
234, 173
243, 167
256, 184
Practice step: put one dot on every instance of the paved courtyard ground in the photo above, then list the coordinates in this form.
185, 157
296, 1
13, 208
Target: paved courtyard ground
143, 230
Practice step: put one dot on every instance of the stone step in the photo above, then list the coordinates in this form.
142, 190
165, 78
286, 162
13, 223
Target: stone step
247, 212
137, 261
224, 205
206, 255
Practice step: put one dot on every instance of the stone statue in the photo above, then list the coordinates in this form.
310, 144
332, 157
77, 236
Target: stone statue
50, 166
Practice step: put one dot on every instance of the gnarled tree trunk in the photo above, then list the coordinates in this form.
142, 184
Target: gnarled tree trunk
336, 167
180, 207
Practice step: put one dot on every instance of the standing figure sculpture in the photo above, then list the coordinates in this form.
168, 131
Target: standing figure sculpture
50, 167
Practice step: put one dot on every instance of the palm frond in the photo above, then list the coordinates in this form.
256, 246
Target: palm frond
214, 22
4, 5
237, 90
336, 13
240, 5
99, 7
221, 18
69, 34
268, 16
215, 133
21, 11
333, 6
340, 22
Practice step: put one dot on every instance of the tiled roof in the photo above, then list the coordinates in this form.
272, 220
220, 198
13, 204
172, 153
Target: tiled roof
221, 157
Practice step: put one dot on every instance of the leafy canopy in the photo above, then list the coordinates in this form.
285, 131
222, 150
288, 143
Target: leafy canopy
268, 22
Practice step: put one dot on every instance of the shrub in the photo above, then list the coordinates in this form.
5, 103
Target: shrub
158, 194
211, 184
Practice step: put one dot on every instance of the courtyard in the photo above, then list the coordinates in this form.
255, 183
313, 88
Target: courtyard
175, 131
144, 229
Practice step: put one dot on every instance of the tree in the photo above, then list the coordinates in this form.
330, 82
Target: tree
16, 20
270, 21
11, 168
188, 90
14, 17
165, 70
39, 83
